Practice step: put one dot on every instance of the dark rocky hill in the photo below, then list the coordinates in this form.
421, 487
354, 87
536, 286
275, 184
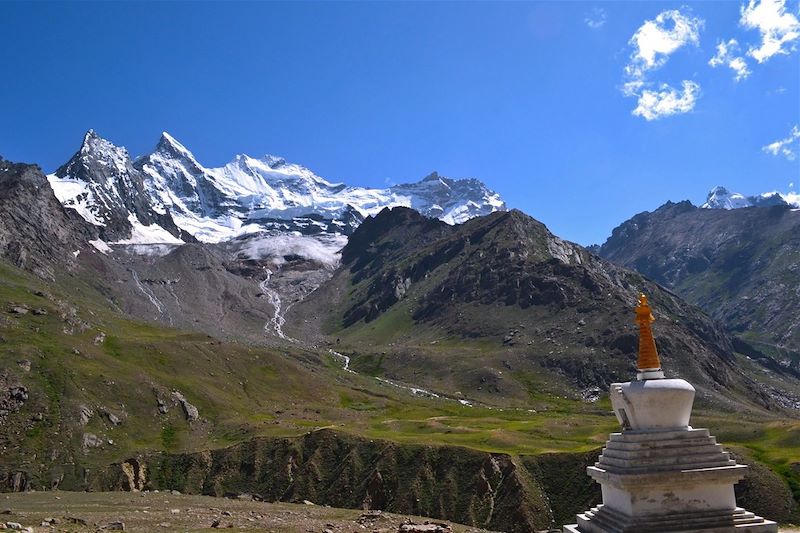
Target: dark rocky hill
510, 301
36, 232
741, 266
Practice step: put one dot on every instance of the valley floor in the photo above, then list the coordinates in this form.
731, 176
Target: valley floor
166, 511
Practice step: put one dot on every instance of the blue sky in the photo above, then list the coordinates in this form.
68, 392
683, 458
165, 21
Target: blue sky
535, 99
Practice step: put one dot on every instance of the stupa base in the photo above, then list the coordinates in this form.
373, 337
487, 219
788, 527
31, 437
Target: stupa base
602, 519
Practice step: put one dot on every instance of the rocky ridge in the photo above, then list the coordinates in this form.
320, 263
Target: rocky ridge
36, 232
740, 265
543, 303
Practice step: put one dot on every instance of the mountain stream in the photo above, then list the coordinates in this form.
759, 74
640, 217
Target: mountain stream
278, 320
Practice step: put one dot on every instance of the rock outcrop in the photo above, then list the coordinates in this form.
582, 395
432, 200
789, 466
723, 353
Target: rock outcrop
36, 232
493, 491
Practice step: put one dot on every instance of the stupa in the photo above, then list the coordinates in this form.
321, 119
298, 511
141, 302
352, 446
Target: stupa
659, 473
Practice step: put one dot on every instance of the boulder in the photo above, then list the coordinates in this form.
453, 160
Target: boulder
90, 440
189, 410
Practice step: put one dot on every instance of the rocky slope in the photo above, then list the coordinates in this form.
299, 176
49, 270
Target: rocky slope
742, 266
489, 490
510, 301
479, 489
36, 232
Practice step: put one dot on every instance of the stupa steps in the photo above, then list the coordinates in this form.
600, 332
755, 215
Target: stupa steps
602, 518
622, 469
689, 459
644, 453
632, 435
658, 444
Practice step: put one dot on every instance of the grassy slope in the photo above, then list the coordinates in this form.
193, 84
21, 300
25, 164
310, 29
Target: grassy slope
244, 391
240, 390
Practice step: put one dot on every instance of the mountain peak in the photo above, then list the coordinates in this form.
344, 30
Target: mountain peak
274, 161
270, 161
169, 144
90, 141
721, 198
168, 139
96, 150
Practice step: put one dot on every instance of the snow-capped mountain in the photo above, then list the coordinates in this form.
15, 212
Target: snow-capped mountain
722, 198
169, 190
102, 185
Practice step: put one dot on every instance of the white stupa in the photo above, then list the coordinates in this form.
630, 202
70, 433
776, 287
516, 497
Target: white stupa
659, 473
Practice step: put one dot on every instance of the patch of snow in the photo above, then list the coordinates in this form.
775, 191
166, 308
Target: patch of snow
721, 198
213, 230
216, 204
152, 234
151, 250
101, 246
77, 195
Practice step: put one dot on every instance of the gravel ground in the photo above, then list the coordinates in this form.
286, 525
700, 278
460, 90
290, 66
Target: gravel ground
166, 511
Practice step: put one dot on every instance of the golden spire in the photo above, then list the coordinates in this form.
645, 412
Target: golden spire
648, 356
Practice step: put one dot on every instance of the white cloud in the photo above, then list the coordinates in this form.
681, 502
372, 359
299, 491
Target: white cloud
596, 18
779, 29
726, 56
653, 43
792, 198
786, 147
324, 249
659, 38
667, 101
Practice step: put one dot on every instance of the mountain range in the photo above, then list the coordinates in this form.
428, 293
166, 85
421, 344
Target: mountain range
721, 198
166, 322
167, 196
